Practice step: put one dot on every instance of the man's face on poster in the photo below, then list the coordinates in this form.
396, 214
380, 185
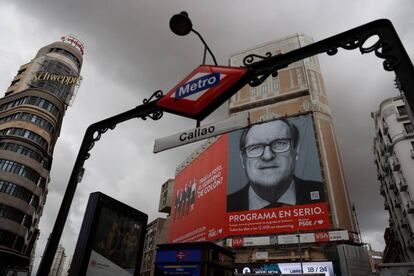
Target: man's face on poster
269, 155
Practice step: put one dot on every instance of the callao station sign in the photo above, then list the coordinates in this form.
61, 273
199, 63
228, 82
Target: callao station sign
192, 96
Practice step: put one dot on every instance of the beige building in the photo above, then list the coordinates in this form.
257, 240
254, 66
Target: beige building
156, 234
299, 89
31, 114
58, 262
157, 230
296, 90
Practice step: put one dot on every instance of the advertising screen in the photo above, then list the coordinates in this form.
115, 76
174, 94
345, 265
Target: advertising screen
324, 268
115, 245
111, 239
259, 180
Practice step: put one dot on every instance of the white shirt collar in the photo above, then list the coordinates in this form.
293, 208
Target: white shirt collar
288, 198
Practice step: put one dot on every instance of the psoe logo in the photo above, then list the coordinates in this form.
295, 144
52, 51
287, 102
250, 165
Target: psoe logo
197, 85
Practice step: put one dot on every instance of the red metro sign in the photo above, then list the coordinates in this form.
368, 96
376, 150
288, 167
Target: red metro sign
200, 89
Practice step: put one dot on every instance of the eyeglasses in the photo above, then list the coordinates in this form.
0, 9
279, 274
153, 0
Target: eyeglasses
277, 146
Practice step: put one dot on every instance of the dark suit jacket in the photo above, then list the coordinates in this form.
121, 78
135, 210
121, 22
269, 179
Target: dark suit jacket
239, 201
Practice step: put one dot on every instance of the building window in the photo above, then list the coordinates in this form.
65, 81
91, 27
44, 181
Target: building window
22, 170
67, 54
16, 191
235, 97
252, 91
21, 71
34, 201
27, 221
14, 82
42, 103
299, 76
408, 128
26, 134
24, 116
275, 85
402, 111
11, 213
11, 240
264, 90
314, 82
22, 150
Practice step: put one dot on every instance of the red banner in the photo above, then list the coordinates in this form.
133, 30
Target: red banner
200, 197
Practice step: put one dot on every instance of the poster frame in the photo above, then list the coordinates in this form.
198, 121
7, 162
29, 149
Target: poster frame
83, 250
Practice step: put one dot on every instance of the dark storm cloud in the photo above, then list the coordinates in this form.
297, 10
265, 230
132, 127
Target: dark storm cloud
130, 52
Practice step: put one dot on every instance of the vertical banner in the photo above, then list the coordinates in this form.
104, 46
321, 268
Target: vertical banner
197, 212
263, 179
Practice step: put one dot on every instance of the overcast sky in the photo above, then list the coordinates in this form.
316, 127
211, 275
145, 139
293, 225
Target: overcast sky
130, 53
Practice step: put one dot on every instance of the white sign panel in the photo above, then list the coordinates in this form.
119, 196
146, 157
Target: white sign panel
293, 239
287, 239
338, 235
253, 241
307, 238
262, 255
99, 265
308, 268
201, 133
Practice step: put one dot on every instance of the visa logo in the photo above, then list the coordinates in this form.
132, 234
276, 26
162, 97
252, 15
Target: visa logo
197, 85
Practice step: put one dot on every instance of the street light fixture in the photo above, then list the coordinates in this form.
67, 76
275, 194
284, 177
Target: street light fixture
181, 25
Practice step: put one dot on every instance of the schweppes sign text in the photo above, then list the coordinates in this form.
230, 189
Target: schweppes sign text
67, 80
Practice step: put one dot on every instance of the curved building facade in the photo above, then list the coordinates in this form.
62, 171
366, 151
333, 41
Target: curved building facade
31, 114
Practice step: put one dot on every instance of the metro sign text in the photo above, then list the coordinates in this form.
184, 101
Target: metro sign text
202, 89
197, 85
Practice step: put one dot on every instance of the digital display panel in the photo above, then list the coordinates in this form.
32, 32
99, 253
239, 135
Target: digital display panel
115, 244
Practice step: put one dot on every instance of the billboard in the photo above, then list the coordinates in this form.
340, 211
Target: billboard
259, 180
111, 239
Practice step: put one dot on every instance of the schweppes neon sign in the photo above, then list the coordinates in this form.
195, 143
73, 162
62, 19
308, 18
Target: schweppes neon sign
62, 79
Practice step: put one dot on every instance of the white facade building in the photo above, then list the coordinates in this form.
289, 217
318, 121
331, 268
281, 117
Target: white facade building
394, 157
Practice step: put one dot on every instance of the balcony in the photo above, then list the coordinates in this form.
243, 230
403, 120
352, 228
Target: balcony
404, 223
392, 186
380, 177
396, 165
403, 185
385, 129
397, 203
410, 207
386, 207
382, 190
